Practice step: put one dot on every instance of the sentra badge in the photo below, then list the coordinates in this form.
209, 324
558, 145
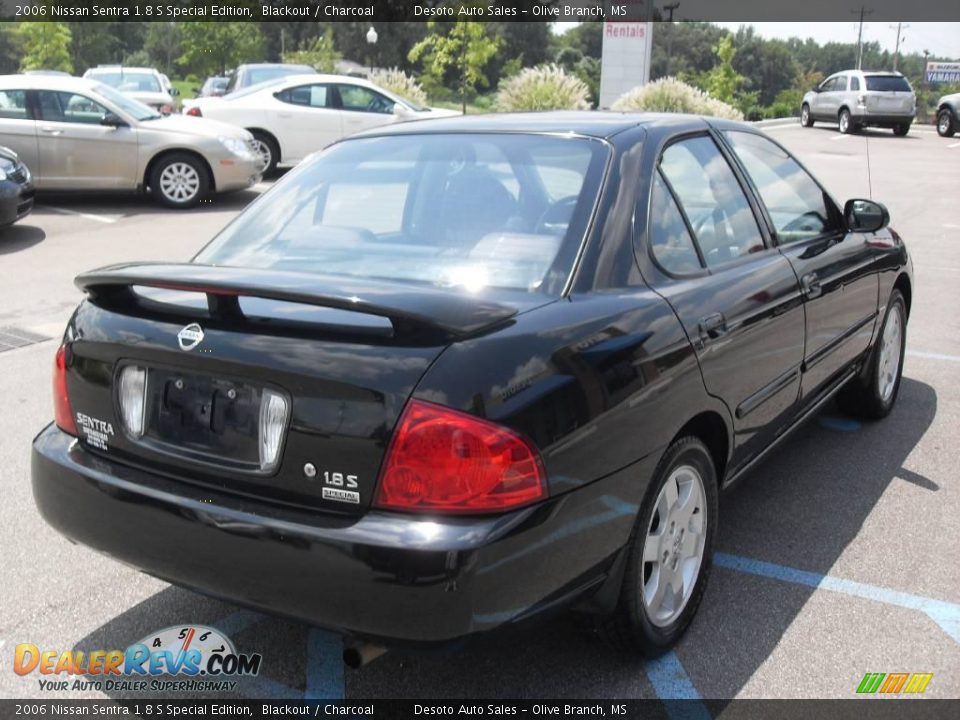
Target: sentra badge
190, 336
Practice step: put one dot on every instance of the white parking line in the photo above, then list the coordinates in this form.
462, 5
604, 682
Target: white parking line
952, 226
86, 216
953, 145
841, 137
933, 356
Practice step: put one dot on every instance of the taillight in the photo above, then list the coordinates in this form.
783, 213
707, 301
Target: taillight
62, 411
194, 111
133, 398
442, 460
166, 109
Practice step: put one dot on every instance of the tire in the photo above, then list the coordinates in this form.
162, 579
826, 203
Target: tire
845, 122
901, 130
269, 151
806, 119
872, 394
639, 626
946, 126
179, 180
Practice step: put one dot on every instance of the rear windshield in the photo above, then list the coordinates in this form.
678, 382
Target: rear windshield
259, 75
887, 83
468, 211
129, 81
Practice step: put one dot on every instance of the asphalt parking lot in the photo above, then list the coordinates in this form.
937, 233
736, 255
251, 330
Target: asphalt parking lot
837, 557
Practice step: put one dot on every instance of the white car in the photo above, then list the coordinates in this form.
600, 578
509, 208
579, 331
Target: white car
295, 116
147, 85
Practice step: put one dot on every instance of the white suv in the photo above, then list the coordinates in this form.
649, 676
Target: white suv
856, 99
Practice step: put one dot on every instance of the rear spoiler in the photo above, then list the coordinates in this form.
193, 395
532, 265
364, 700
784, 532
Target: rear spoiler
407, 307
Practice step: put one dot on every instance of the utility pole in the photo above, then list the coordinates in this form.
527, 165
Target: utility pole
896, 48
670, 9
863, 11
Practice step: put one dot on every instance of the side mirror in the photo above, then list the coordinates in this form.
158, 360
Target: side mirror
112, 120
174, 92
401, 110
865, 215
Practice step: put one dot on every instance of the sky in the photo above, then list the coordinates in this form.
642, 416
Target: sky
941, 39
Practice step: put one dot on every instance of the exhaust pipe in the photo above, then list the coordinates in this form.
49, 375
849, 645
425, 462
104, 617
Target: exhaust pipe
356, 655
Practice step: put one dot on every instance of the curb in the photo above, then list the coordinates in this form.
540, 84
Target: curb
777, 121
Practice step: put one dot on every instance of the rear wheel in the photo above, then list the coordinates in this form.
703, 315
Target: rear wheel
669, 554
946, 127
806, 119
179, 180
901, 129
268, 150
872, 394
845, 122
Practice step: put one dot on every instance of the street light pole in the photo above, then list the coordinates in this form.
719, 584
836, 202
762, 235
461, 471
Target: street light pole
670, 9
371, 41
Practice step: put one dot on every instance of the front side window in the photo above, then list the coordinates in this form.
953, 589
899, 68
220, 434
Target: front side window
721, 218
465, 211
798, 206
136, 109
361, 99
70, 108
13, 105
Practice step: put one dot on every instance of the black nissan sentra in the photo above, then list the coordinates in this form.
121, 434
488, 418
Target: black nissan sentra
448, 375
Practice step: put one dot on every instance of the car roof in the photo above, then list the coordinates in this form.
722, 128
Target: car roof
246, 66
121, 68
46, 82
589, 123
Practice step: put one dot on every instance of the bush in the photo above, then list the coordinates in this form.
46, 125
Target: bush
545, 87
670, 95
399, 83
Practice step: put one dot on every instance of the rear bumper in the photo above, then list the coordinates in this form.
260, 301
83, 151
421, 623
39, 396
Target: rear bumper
388, 578
883, 119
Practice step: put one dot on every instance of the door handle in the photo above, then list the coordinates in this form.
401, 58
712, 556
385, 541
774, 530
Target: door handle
713, 326
284, 115
810, 284
51, 131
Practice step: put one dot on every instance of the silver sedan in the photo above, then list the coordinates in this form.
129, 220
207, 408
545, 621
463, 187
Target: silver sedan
77, 134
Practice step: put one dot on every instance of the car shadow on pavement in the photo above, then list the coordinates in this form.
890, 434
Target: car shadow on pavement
20, 237
801, 509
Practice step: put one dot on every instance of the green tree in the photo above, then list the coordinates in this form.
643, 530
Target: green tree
465, 46
46, 46
210, 48
319, 53
163, 43
723, 81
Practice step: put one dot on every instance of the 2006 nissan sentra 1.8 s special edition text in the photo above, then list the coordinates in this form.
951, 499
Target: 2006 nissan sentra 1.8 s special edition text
448, 375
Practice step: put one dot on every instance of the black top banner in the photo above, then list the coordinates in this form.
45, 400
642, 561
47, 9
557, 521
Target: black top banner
382, 11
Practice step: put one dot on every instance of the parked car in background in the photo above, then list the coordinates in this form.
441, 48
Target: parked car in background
948, 115
79, 134
294, 116
214, 86
58, 73
255, 73
16, 188
147, 85
462, 373
856, 99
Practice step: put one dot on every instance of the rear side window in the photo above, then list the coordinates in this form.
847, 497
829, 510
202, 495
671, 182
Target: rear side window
798, 206
13, 105
670, 239
317, 96
716, 207
887, 83
854, 83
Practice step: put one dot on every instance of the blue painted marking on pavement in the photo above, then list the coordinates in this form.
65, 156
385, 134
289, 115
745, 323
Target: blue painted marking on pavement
324, 666
671, 682
840, 424
237, 622
944, 614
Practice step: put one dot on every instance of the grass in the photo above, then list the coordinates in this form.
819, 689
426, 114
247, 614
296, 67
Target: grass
186, 88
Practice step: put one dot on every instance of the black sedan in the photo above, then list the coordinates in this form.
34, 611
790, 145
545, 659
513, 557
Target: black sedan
16, 188
449, 375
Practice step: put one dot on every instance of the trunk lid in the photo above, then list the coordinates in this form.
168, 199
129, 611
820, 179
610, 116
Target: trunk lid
346, 355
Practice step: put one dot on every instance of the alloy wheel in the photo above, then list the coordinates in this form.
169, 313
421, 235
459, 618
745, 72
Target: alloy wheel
179, 182
844, 122
674, 546
805, 115
263, 150
891, 346
943, 124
